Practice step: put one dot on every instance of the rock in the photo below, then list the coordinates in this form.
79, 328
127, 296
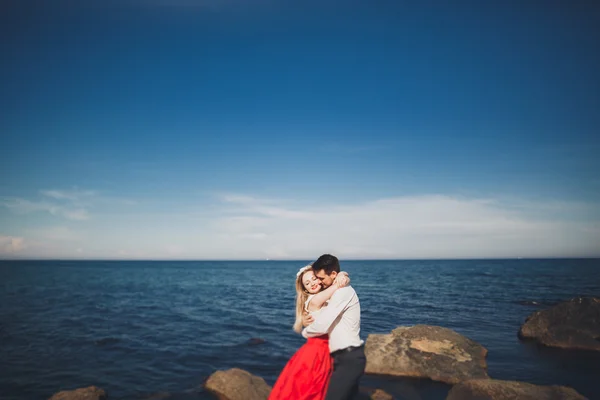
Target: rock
529, 303
255, 341
573, 324
492, 389
425, 351
106, 341
237, 384
158, 396
88, 393
373, 394
379, 394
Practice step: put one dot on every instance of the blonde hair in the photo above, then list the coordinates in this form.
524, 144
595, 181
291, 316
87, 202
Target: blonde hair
301, 297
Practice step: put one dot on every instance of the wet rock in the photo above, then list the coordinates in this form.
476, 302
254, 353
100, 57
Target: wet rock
491, 389
255, 341
158, 396
88, 393
529, 303
237, 384
425, 351
106, 341
371, 393
379, 394
573, 324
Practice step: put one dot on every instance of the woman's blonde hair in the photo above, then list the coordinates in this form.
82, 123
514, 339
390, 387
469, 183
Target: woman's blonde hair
301, 297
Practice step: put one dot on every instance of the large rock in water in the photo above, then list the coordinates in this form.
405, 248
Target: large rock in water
88, 393
491, 389
379, 394
573, 324
237, 384
425, 351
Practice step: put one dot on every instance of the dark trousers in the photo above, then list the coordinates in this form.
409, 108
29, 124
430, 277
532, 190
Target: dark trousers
348, 367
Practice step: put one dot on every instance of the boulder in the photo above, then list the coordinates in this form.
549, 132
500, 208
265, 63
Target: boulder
158, 396
372, 393
88, 393
492, 389
237, 384
424, 351
379, 394
255, 341
573, 324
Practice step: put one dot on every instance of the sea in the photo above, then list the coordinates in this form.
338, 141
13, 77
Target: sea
158, 329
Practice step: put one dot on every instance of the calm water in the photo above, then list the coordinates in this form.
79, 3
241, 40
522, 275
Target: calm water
138, 328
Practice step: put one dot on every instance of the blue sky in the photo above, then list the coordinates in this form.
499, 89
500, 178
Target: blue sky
276, 129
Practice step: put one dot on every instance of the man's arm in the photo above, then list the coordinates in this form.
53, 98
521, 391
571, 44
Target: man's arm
338, 303
307, 319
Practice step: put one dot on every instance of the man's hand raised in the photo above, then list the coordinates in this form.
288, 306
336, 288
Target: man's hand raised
342, 279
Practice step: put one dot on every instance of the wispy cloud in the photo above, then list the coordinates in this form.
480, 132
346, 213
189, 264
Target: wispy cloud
417, 226
10, 245
72, 195
242, 226
55, 234
71, 204
24, 206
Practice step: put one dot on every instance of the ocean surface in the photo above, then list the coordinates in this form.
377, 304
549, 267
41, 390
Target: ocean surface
140, 328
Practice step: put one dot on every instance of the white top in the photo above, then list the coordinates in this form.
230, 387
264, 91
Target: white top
340, 319
310, 296
313, 313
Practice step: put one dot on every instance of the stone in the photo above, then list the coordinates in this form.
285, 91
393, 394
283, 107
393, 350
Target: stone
237, 384
424, 351
379, 394
158, 396
256, 341
492, 389
88, 393
573, 324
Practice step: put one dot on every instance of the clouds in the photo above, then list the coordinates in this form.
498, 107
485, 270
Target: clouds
10, 245
74, 204
414, 227
23, 206
66, 204
72, 195
243, 226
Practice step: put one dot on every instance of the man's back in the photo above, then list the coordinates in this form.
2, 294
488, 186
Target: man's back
345, 330
340, 319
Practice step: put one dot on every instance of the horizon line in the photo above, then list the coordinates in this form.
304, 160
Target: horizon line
303, 259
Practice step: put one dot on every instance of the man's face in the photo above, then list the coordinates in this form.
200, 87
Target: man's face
326, 280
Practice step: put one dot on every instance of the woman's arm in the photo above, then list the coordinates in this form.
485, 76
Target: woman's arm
320, 298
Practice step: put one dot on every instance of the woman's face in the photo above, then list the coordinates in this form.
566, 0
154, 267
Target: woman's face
311, 283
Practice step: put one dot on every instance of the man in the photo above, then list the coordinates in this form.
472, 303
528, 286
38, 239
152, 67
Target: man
341, 320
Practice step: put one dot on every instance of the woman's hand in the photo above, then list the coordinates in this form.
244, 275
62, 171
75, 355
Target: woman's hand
342, 279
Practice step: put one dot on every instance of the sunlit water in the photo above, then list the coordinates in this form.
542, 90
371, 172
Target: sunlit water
137, 328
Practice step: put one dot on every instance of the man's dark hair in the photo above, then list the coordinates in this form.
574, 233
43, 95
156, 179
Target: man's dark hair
328, 263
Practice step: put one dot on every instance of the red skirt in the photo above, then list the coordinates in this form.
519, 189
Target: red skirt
306, 375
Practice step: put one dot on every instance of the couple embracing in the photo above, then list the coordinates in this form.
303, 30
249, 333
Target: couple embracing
329, 365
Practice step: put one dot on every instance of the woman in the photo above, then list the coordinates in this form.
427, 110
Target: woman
306, 375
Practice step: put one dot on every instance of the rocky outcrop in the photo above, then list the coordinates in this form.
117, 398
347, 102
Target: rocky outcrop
491, 389
158, 396
88, 393
573, 324
379, 394
255, 341
237, 384
425, 351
